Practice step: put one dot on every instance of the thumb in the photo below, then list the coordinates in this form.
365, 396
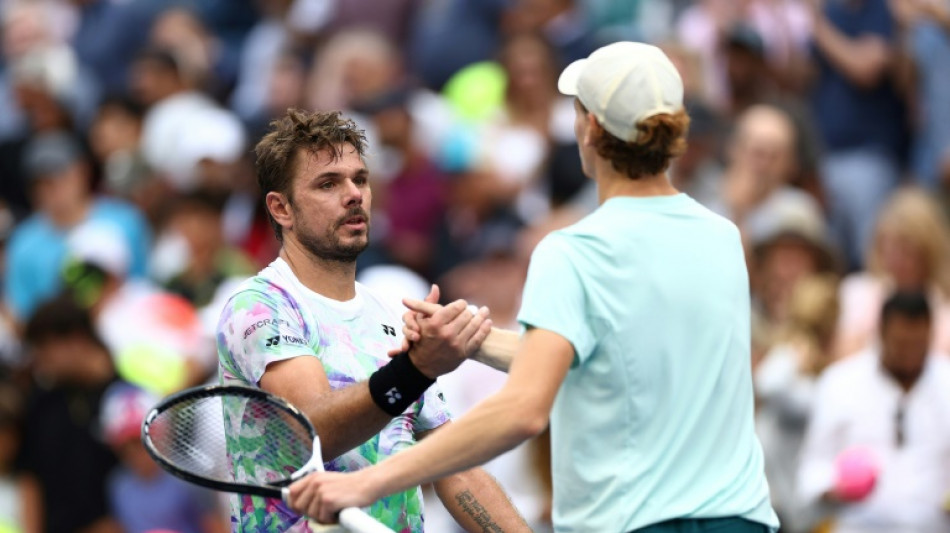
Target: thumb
433, 296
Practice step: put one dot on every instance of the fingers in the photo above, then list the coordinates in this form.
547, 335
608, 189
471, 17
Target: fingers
468, 336
402, 348
478, 338
411, 327
426, 308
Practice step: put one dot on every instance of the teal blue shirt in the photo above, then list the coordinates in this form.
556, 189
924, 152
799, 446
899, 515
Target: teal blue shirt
654, 421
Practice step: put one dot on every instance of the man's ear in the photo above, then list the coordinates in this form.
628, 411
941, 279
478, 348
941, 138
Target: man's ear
593, 130
279, 207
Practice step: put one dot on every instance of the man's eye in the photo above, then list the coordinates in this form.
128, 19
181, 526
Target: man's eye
360, 181
326, 185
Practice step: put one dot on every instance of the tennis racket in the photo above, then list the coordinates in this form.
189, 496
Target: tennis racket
203, 435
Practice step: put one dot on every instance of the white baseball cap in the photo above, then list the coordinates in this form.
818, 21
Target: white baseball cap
622, 84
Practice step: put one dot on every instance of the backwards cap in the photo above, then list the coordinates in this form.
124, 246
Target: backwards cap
624, 83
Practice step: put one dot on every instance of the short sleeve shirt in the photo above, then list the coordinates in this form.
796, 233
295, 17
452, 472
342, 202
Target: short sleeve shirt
272, 317
654, 420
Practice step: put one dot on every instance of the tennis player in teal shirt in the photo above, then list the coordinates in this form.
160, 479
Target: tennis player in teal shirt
635, 345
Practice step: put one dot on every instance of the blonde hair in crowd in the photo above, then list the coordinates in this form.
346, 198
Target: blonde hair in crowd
911, 214
812, 319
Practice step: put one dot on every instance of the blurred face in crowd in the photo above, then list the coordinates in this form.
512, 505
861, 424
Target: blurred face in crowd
114, 130
70, 358
782, 265
905, 342
62, 196
23, 29
201, 229
530, 67
393, 125
153, 81
764, 145
330, 204
903, 260
43, 110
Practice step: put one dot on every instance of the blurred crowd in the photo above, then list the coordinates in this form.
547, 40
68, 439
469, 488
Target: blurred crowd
129, 210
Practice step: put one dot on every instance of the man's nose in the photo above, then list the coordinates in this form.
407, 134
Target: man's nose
353, 194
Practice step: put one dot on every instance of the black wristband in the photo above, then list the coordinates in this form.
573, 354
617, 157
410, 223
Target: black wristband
397, 385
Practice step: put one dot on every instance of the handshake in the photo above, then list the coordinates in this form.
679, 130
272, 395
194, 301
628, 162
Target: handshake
438, 338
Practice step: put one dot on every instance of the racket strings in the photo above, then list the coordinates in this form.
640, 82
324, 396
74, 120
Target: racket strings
232, 439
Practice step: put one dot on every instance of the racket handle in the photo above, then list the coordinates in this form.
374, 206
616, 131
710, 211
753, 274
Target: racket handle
358, 521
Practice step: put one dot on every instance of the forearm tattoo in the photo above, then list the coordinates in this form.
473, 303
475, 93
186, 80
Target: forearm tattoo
471, 507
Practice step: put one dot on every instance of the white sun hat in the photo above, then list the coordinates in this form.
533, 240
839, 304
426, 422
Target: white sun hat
624, 83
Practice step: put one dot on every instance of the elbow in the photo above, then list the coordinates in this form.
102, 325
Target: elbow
530, 422
867, 79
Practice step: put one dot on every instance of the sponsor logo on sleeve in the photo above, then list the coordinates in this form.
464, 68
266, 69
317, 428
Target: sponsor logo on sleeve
265, 322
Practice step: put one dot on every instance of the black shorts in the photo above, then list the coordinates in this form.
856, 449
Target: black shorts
730, 524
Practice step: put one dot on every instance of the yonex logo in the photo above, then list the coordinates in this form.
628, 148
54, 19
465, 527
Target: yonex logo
389, 330
273, 341
393, 395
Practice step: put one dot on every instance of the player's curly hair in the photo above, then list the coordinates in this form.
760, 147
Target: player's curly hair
317, 132
661, 138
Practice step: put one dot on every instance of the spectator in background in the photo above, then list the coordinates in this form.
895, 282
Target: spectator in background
412, 199
747, 72
204, 60
452, 34
910, 251
143, 496
502, 186
109, 34
925, 30
62, 451
792, 247
60, 179
155, 337
18, 496
563, 23
174, 106
114, 138
876, 449
10, 353
785, 383
762, 161
209, 262
860, 116
352, 66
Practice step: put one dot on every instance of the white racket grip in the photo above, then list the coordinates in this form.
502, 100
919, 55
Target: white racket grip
354, 519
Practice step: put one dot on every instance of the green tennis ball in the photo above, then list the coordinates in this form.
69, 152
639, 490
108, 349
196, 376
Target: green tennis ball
158, 369
477, 91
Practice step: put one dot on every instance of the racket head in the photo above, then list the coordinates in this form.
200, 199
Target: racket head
229, 438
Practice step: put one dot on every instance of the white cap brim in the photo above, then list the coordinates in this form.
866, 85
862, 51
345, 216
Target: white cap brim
567, 82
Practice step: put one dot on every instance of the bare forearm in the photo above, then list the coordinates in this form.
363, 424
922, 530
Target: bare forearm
345, 418
499, 349
478, 504
863, 60
500, 423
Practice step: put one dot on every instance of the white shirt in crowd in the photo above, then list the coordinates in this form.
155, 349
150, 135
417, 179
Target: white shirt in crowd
857, 404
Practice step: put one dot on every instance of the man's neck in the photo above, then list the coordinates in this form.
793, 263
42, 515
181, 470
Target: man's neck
334, 279
70, 217
611, 183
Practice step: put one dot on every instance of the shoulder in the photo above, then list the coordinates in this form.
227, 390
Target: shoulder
25, 232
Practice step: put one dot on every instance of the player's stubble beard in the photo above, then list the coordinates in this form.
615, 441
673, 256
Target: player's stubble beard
329, 246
